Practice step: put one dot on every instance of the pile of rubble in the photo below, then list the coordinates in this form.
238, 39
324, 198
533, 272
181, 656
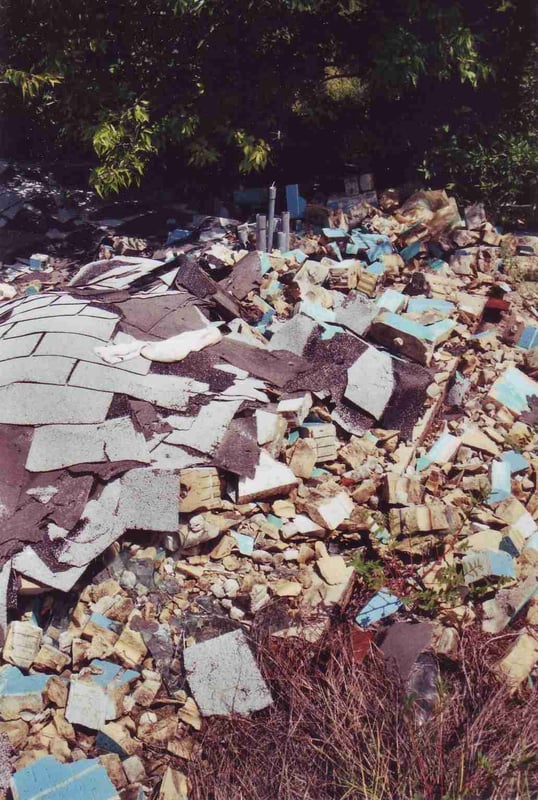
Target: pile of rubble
191, 438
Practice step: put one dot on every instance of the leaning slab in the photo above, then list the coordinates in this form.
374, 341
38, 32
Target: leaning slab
224, 677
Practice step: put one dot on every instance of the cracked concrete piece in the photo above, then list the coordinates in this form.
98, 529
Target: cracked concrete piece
89, 326
82, 348
163, 390
292, 334
271, 477
51, 310
5, 573
29, 564
36, 369
149, 500
86, 705
354, 312
224, 678
205, 431
170, 456
57, 446
46, 404
371, 382
16, 348
101, 527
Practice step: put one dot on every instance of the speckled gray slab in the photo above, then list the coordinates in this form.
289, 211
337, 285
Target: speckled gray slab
36, 369
58, 446
82, 348
149, 500
224, 677
163, 390
88, 326
46, 404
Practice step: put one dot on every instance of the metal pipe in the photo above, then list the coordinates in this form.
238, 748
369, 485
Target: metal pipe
281, 241
261, 232
271, 219
286, 228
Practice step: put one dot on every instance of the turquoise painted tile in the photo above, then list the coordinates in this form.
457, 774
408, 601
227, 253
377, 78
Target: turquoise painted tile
382, 604
244, 542
501, 482
49, 779
516, 461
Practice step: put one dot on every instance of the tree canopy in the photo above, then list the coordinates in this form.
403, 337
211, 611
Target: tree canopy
241, 85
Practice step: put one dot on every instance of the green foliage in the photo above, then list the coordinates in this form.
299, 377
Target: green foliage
124, 143
30, 84
371, 572
222, 85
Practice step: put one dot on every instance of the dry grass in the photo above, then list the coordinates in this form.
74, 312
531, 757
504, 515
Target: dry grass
340, 730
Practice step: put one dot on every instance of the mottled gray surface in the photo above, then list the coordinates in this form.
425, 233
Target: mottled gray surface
224, 677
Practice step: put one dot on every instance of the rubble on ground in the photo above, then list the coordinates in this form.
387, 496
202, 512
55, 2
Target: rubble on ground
346, 429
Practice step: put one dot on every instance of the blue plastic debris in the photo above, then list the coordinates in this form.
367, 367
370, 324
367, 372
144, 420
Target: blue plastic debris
516, 461
487, 563
501, 483
275, 521
105, 622
296, 204
49, 779
513, 389
177, 235
112, 675
411, 251
381, 605
436, 264
529, 338
417, 305
298, 255
318, 472
377, 268
391, 300
292, 437
334, 233
244, 542
265, 263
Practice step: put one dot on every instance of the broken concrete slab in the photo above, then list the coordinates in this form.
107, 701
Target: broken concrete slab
224, 678
354, 312
46, 404
57, 446
205, 431
82, 348
271, 478
49, 779
292, 334
20, 692
513, 389
149, 500
36, 369
371, 382
163, 390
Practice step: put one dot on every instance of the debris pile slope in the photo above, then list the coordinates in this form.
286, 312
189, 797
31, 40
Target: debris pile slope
349, 425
